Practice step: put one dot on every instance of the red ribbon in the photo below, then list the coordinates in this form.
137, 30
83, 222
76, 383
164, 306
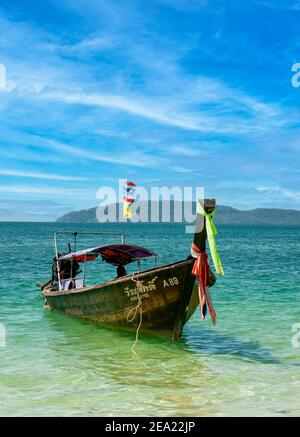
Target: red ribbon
201, 270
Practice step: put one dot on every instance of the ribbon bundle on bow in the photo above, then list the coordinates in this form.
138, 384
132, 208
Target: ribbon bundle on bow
211, 231
201, 270
201, 266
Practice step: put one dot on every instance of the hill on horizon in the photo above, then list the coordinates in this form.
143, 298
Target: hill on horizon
224, 215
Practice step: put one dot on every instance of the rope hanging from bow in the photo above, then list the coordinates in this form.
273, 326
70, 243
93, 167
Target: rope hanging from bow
133, 311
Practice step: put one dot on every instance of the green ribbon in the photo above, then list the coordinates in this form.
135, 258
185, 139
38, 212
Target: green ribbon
211, 231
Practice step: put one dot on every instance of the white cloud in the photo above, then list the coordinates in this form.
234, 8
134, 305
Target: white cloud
134, 159
55, 191
2, 76
169, 96
279, 191
146, 108
87, 46
179, 169
185, 150
49, 176
23, 216
223, 118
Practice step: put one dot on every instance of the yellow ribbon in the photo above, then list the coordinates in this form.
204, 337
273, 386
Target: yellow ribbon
211, 231
127, 213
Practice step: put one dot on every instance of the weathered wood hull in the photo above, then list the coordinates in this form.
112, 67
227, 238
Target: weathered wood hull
169, 298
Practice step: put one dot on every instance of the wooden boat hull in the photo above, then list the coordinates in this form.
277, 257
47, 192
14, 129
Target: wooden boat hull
168, 299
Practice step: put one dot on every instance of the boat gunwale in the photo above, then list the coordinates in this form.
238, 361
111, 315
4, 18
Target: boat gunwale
48, 293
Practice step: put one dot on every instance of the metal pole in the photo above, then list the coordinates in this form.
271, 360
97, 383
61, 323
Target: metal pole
84, 272
57, 262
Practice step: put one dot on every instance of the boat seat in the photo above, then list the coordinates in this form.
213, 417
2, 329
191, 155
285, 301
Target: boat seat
78, 282
68, 284
65, 284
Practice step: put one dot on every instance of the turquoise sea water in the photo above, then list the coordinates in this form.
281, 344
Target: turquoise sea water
246, 365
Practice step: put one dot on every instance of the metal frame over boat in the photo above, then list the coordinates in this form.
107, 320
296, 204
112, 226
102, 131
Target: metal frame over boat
166, 295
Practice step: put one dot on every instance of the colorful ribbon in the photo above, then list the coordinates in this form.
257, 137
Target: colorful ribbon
128, 198
201, 271
211, 231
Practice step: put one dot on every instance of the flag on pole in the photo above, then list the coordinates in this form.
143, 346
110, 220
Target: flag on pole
128, 197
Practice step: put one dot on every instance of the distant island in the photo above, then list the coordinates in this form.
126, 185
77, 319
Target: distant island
223, 215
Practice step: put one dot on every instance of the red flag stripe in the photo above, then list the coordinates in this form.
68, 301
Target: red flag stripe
127, 199
129, 184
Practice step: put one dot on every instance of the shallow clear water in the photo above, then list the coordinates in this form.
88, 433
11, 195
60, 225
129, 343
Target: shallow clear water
246, 365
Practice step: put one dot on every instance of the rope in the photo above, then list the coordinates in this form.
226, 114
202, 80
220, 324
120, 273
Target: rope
134, 310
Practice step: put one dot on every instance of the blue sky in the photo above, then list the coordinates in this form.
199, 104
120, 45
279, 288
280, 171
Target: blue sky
163, 92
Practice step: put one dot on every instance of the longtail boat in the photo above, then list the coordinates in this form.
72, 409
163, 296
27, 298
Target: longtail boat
164, 296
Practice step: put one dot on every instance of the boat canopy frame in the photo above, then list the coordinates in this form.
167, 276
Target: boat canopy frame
85, 255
